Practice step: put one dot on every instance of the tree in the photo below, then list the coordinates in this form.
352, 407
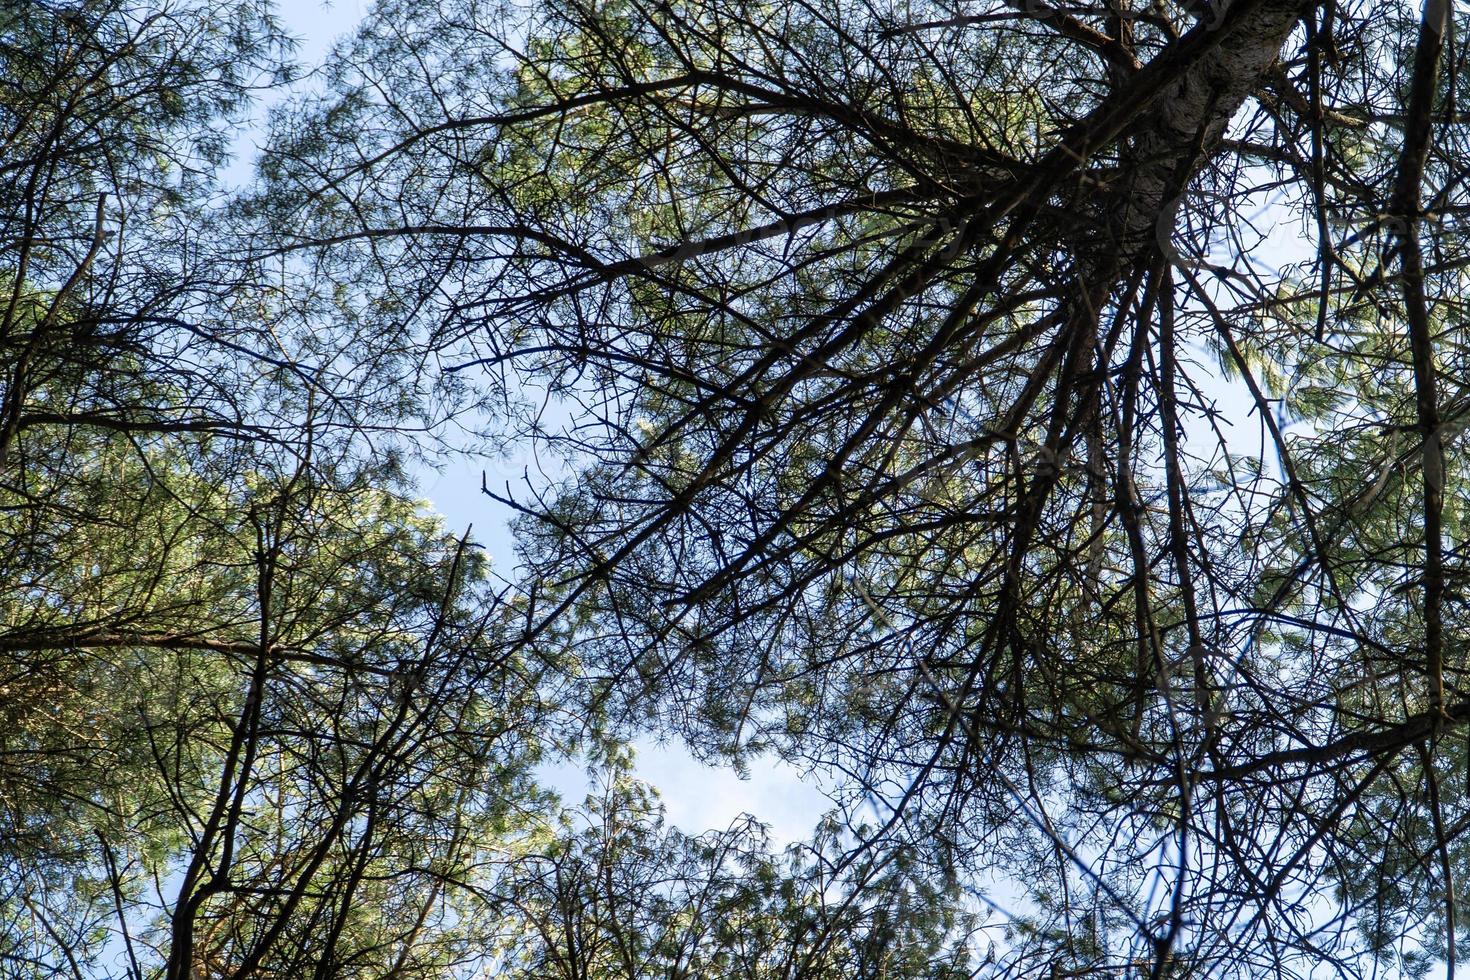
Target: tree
285, 756
256, 712
884, 332
617, 894
260, 713
113, 118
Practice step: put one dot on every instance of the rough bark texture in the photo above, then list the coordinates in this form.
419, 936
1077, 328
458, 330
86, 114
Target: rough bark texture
1187, 118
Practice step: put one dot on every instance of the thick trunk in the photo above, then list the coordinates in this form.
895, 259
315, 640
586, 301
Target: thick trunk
1186, 99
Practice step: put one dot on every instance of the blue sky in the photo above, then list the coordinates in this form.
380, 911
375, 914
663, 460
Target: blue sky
697, 797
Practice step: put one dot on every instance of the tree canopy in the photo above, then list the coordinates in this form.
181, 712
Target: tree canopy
1043, 421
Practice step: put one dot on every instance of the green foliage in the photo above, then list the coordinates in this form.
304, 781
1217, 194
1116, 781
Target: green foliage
618, 894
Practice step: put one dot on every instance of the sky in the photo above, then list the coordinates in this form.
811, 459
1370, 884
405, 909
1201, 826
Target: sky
697, 797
